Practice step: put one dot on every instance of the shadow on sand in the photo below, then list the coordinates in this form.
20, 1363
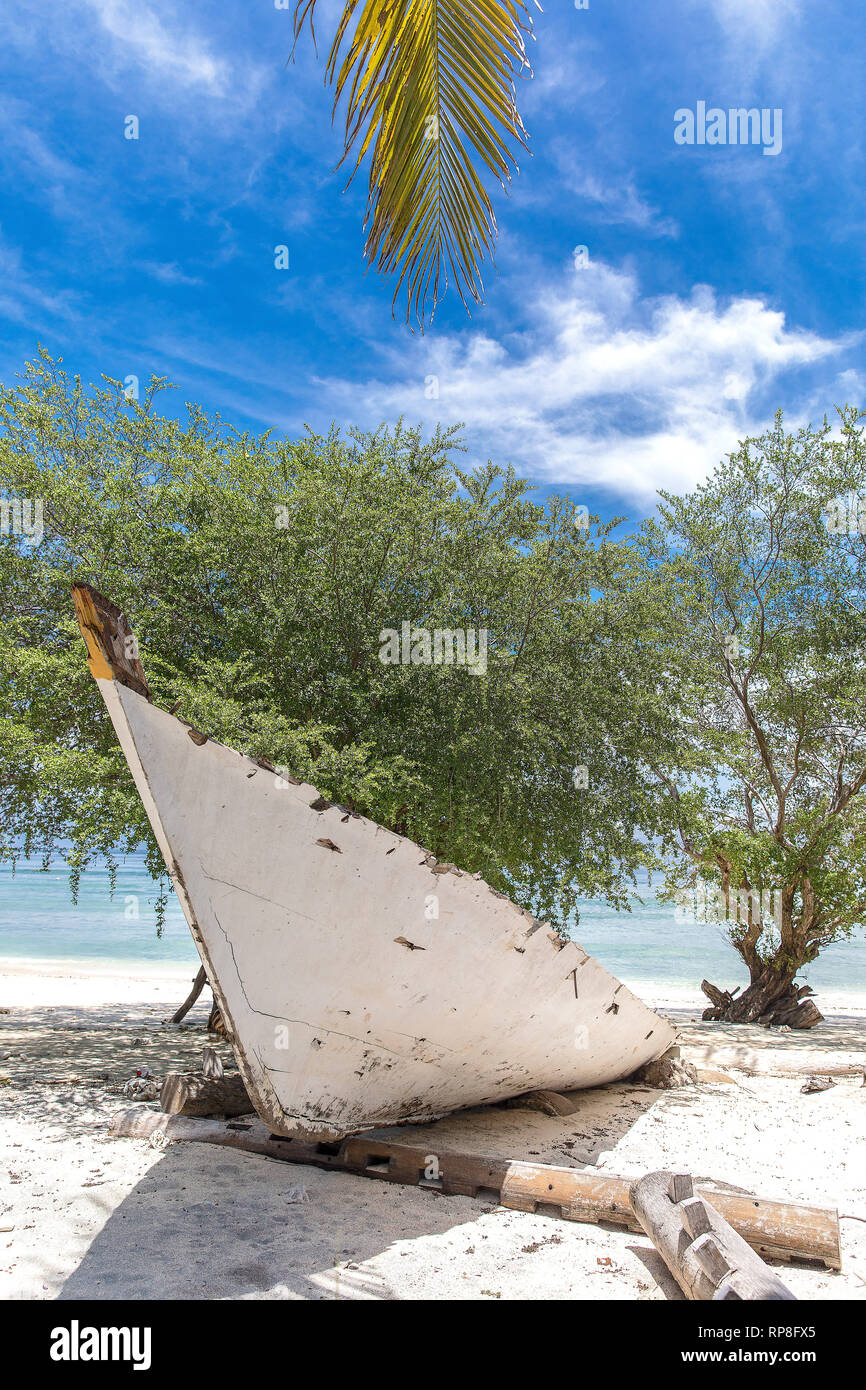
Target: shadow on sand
207, 1222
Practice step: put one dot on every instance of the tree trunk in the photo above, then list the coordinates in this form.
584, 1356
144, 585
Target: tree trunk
771, 999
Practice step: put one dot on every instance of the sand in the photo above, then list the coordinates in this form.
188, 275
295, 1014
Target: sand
94, 1217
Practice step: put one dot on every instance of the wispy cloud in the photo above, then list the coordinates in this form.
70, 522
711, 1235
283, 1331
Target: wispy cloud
35, 158
173, 58
24, 149
616, 200
170, 273
604, 387
25, 300
756, 24
166, 50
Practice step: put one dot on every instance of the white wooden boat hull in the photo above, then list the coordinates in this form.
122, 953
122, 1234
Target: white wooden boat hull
364, 984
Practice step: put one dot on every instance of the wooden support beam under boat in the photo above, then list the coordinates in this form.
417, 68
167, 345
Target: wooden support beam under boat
777, 1230
703, 1252
192, 1093
198, 985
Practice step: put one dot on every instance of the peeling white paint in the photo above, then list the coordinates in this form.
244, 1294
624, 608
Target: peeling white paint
351, 1005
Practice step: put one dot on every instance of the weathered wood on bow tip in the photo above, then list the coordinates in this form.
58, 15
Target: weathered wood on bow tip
112, 650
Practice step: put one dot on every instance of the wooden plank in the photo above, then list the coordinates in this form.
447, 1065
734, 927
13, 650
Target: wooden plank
680, 1187
769, 1061
192, 1093
703, 1252
693, 1214
780, 1230
590, 1197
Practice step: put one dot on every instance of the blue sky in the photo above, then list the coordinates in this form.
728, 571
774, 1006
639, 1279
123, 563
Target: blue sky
721, 282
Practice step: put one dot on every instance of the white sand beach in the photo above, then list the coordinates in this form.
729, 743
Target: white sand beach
83, 1215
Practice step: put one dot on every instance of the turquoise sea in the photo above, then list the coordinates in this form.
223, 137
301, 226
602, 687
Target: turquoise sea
645, 948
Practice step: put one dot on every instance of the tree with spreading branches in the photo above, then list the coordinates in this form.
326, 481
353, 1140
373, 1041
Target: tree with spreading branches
756, 591
259, 576
706, 678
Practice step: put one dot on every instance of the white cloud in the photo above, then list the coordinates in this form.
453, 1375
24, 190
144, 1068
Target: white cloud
166, 51
170, 273
617, 201
23, 299
755, 23
603, 387
850, 388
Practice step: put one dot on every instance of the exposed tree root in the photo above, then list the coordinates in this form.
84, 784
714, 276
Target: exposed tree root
766, 1001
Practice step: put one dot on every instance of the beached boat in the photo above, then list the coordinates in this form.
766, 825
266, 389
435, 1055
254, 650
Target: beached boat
364, 983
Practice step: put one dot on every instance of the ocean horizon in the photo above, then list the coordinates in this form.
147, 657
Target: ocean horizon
647, 948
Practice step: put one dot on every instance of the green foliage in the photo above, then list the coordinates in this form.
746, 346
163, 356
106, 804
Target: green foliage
268, 636
760, 633
710, 675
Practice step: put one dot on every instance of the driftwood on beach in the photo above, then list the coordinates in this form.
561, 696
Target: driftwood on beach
791, 1009
703, 1252
777, 1230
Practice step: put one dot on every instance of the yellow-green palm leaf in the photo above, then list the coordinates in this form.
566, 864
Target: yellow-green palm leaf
430, 94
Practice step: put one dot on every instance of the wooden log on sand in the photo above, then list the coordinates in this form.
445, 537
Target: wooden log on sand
192, 1093
775, 1061
703, 1252
776, 1229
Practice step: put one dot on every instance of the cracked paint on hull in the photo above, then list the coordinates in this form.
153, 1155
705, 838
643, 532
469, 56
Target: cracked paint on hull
339, 1027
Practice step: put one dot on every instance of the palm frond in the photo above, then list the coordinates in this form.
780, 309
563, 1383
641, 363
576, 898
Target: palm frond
430, 93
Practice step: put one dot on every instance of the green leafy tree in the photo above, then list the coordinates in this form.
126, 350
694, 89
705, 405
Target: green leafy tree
755, 591
259, 577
